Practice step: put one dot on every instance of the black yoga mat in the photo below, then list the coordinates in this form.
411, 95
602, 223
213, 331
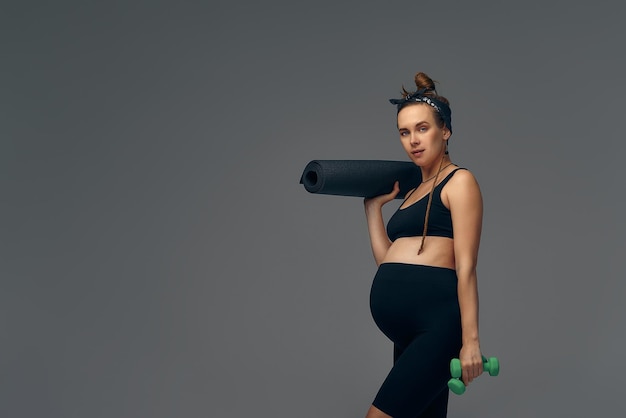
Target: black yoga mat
361, 178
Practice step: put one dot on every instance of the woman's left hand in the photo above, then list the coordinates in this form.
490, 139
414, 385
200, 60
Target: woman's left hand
471, 362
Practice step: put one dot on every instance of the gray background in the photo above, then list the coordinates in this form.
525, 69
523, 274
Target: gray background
160, 259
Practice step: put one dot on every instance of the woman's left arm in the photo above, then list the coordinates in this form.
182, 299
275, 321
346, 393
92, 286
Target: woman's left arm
466, 207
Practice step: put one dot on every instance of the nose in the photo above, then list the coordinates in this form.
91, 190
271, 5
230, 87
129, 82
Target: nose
414, 139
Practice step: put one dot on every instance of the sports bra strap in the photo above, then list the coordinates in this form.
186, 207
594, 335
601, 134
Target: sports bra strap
443, 182
449, 176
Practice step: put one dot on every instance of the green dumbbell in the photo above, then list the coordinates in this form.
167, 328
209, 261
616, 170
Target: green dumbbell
456, 385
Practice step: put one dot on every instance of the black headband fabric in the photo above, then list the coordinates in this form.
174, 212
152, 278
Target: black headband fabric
418, 97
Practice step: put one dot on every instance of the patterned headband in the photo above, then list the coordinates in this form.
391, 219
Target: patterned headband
442, 108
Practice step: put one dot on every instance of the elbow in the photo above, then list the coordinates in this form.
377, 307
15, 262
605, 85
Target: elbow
380, 253
466, 271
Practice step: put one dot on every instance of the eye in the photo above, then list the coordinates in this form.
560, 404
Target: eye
404, 133
422, 128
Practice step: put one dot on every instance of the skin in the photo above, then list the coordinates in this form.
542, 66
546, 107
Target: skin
419, 131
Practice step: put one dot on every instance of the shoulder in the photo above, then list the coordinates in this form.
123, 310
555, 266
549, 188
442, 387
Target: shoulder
462, 177
462, 187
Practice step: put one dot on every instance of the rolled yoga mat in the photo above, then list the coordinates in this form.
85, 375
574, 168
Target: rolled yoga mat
361, 178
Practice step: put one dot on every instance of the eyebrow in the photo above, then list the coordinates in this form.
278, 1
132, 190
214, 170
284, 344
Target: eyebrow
417, 124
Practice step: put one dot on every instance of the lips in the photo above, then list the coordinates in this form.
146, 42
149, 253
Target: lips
417, 152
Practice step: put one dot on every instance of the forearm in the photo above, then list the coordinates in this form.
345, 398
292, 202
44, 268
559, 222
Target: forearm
378, 235
467, 290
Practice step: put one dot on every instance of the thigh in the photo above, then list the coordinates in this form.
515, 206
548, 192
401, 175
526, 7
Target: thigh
438, 408
417, 383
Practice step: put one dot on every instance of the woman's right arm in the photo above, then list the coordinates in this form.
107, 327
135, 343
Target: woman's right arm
376, 225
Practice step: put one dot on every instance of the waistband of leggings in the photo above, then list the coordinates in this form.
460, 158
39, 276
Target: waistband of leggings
417, 266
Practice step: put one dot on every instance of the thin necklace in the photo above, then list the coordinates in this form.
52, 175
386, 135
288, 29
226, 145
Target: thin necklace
425, 181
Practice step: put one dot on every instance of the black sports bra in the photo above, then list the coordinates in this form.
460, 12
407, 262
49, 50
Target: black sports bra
409, 222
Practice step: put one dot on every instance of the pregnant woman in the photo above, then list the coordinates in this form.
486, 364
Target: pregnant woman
424, 296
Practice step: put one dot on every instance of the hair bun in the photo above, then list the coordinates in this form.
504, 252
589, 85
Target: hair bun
422, 81
427, 85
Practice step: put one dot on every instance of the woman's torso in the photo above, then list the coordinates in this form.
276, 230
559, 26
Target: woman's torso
438, 250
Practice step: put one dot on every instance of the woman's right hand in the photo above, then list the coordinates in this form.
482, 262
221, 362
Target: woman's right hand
379, 201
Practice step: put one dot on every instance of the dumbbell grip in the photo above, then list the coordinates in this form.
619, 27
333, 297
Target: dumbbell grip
491, 366
456, 385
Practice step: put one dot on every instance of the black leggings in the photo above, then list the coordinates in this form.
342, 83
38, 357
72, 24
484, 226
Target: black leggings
417, 308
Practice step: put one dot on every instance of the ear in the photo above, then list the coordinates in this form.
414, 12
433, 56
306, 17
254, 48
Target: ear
446, 133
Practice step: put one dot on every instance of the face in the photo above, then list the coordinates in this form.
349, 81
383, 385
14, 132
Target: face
422, 138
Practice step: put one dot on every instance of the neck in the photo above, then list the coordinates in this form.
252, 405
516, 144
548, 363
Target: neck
431, 170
